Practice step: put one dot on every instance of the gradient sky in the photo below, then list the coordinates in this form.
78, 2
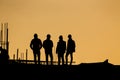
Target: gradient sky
94, 25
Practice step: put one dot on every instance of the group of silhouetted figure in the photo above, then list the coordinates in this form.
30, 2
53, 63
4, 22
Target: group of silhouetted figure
36, 44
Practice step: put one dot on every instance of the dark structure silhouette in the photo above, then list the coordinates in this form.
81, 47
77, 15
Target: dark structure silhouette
4, 57
70, 49
83, 71
36, 45
60, 49
4, 44
48, 45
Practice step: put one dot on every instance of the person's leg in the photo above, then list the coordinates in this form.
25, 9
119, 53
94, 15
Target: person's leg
35, 58
58, 59
38, 55
71, 56
46, 58
38, 58
66, 58
63, 59
51, 57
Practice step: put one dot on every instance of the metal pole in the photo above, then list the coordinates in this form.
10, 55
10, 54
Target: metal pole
21, 58
17, 53
1, 37
1, 34
7, 46
13, 56
5, 35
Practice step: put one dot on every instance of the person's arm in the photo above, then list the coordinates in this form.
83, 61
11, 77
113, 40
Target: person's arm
65, 46
52, 44
43, 44
57, 49
74, 45
31, 46
40, 46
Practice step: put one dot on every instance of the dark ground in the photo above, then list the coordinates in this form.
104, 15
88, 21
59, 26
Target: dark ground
84, 71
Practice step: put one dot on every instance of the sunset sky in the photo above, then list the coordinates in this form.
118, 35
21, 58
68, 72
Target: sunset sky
94, 25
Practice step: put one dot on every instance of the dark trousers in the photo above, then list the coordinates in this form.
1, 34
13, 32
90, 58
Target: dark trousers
37, 58
71, 58
51, 58
60, 56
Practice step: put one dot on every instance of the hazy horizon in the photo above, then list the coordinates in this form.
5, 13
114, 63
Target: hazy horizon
94, 25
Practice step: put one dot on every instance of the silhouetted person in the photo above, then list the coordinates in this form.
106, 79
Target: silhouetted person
60, 49
70, 49
48, 45
36, 45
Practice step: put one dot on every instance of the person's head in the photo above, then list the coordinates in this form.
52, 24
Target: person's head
60, 37
35, 36
70, 36
48, 36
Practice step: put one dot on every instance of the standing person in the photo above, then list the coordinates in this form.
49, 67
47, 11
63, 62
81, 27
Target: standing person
36, 45
70, 49
60, 49
48, 45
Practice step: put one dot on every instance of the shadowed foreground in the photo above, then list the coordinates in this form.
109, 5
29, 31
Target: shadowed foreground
84, 71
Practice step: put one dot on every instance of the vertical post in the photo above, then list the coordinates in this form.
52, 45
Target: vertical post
1, 34
26, 55
13, 56
5, 35
20, 57
7, 46
17, 53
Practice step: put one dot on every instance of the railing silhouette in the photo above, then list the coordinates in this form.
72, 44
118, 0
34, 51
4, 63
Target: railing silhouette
11, 61
21, 60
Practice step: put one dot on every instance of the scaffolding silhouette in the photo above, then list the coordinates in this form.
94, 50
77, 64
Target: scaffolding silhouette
4, 43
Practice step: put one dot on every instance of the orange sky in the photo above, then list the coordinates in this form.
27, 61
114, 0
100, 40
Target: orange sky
94, 24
